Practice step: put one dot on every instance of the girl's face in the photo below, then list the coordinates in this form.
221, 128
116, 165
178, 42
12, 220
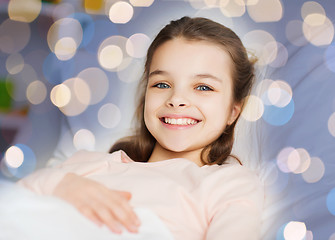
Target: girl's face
188, 100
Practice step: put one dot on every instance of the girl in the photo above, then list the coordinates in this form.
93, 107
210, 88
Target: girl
178, 164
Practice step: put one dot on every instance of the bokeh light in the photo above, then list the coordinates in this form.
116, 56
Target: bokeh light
282, 56
331, 124
60, 95
112, 53
121, 12
232, 8
141, 3
295, 34
36, 92
196, 4
318, 35
278, 116
264, 45
109, 115
17, 166
14, 36
299, 158
313, 13
132, 72
24, 10
283, 159
14, 157
315, 19
84, 139
21, 81
262, 88
331, 201
110, 57
67, 28
14, 63
295, 231
279, 93
65, 48
254, 109
137, 45
94, 6
309, 235
212, 3
315, 171
265, 10
97, 81
77, 101
317, 27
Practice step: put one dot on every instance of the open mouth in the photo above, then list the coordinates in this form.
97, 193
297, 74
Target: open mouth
179, 121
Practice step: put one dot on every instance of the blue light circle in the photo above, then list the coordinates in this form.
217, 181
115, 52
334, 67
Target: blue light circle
88, 26
331, 201
278, 116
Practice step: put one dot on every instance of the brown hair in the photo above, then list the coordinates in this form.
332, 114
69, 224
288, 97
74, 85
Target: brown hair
140, 146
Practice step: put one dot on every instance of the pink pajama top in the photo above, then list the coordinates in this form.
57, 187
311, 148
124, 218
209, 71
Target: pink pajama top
195, 203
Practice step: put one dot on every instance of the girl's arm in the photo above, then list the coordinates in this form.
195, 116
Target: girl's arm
92, 199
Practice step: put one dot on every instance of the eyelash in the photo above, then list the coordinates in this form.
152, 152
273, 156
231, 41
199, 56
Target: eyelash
207, 87
160, 85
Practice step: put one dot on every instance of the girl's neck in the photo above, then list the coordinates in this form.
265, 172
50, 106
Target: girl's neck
159, 154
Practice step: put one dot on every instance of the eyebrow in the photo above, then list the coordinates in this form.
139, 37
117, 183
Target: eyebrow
202, 75
158, 72
207, 75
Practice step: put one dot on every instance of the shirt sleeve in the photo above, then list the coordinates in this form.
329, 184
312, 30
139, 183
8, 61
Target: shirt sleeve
235, 208
44, 181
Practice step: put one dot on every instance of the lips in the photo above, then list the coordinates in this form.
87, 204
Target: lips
180, 121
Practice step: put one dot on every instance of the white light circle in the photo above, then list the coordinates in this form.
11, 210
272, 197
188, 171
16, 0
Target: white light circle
254, 109
109, 115
84, 139
14, 157
121, 12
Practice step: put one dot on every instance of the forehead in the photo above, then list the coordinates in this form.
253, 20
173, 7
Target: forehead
180, 56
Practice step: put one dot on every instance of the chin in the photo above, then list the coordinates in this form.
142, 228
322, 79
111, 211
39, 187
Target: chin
175, 147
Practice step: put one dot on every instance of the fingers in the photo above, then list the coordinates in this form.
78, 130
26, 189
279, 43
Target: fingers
90, 214
98, 203
116, 209
126, 195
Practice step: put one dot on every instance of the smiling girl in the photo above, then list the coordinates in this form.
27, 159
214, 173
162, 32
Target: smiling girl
178, 163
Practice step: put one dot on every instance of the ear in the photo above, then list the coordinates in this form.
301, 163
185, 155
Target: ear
236, 110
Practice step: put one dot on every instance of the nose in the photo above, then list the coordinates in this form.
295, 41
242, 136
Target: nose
177, 100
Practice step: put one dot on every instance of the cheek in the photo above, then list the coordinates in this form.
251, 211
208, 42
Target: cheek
217, 112
149, 108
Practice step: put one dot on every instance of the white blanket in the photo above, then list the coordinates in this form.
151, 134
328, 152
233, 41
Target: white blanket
28, 216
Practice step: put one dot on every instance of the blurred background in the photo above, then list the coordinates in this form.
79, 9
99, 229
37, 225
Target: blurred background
69, 71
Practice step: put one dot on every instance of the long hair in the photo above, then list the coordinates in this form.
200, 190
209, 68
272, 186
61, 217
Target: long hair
140, 146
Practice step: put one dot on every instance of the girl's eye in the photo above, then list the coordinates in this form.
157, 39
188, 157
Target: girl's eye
204, 88
161, 85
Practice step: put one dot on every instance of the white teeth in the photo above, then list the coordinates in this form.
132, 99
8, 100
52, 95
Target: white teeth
180, 121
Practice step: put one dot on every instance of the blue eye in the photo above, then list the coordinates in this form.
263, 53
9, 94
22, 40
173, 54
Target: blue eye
161, 85
204, 88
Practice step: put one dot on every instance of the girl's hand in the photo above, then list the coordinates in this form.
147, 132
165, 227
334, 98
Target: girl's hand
98, 203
